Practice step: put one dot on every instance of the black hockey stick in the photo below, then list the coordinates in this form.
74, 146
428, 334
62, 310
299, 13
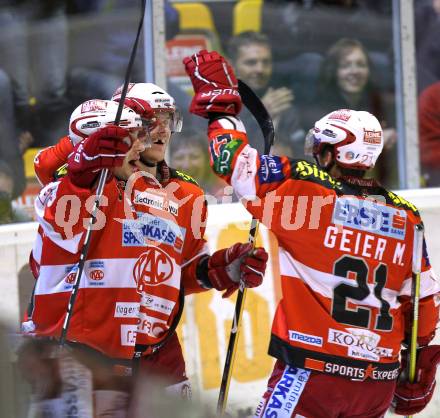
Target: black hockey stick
99, 190
260, 113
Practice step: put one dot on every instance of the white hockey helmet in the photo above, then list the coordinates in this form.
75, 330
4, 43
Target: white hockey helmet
91, 115
159, 100
356, 136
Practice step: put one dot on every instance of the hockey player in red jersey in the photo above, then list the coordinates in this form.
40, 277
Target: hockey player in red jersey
50, 160
147, 248
345, 260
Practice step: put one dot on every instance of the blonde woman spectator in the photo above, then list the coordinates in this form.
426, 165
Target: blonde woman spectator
347, 81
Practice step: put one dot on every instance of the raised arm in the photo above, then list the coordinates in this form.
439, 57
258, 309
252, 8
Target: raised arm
232, 158
50, 159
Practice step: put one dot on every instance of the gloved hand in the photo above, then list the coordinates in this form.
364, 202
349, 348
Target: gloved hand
228, 266
141, 107
215, 84
411, 398
105, 148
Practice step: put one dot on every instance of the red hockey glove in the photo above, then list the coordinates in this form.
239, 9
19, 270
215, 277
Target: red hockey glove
411, 398
105, 148
141, 107
215, 84
228, 266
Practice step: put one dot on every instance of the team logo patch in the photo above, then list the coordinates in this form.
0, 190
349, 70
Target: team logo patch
96, 275
69, 279
95, 272
223, 164
152, 268
370, 216
271, 169
149, 229
217, 142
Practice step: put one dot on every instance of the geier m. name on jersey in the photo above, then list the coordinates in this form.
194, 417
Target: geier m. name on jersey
366, 216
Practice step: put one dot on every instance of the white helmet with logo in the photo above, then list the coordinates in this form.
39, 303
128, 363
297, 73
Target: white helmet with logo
157, 98
94, 114
356, 136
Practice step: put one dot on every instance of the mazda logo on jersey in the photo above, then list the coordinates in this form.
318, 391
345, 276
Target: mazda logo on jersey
152, 268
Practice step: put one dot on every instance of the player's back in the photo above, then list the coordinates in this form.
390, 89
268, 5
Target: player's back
346, 251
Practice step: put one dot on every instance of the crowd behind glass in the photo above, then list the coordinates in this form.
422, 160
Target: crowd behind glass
303, 59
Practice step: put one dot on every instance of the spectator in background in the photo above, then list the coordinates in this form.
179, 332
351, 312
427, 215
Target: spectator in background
98, 75
9, 213
9, 142
427, 27
34, 55
188, 155
347, 81
298, 47
251, 56
429, 134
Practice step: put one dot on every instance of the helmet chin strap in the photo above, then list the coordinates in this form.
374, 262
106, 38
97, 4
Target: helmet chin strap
148, 163
329, 166
326, 167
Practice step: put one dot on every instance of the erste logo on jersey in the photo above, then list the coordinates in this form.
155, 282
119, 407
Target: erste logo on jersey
370, 216
152, 268
157, 201
149, 229
271, 169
